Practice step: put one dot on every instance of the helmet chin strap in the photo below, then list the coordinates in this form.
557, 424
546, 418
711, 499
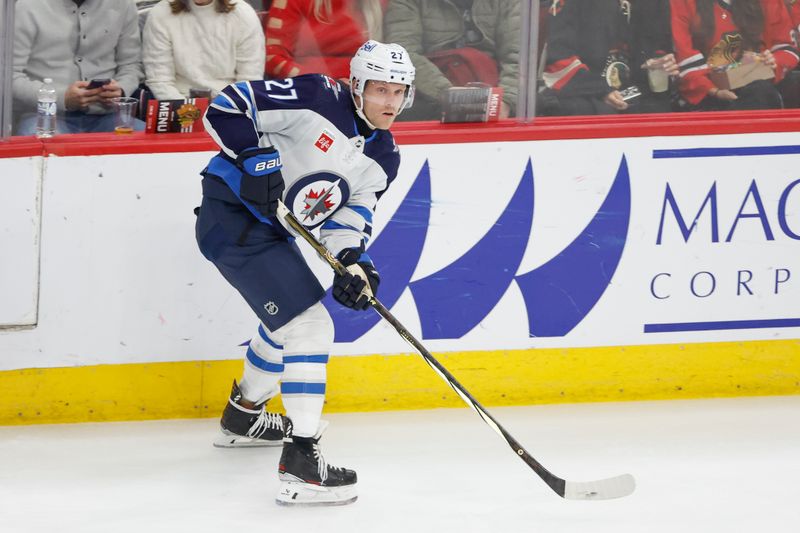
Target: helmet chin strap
360, 110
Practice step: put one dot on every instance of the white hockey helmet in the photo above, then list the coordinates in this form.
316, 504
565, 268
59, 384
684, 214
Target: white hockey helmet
381, 62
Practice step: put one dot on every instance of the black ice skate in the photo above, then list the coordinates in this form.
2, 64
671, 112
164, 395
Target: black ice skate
242, 427
306, 479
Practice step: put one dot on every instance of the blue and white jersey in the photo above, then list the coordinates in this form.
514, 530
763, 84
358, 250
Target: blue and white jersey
333, 175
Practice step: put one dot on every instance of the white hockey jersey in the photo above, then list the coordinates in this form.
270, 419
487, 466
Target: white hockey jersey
333, 174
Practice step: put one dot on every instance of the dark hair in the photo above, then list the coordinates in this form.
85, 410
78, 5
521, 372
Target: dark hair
747, 15
222, 6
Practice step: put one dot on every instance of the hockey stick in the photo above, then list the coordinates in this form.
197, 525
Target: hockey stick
603, 489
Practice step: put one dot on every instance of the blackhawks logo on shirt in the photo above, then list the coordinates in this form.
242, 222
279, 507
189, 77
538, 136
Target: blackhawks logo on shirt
728, 50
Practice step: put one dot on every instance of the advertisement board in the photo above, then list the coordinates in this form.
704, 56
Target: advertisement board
591, 243
486, 246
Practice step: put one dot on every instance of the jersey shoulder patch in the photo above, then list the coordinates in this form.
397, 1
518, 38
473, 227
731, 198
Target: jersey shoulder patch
331, 84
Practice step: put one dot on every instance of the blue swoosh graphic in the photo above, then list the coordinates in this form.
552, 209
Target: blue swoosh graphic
454, 300
560, 293
395, 252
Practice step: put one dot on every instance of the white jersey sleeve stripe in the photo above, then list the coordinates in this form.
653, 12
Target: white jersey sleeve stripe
246, 99
217, 139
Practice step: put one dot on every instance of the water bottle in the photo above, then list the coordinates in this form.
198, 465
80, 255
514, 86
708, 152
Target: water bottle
46, 110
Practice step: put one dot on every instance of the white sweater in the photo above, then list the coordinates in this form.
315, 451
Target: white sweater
201, 49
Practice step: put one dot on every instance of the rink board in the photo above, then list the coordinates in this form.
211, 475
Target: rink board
198, 389
538, 271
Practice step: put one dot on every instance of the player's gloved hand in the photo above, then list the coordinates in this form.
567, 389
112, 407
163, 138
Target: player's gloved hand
262, 182
355, 287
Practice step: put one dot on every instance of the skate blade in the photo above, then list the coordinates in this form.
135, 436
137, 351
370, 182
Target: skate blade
299, 494
237, 441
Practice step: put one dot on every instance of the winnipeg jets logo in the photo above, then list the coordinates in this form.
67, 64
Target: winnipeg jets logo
318, 203
325, 141
315, 197
331, 84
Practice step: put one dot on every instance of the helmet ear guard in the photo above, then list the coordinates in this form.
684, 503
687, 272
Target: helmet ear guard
381, 62
409, 99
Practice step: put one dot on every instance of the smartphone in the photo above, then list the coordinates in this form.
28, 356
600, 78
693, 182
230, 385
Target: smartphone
97, 83
631, 93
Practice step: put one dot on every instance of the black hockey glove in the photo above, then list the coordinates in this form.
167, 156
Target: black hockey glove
351, 289
262, 183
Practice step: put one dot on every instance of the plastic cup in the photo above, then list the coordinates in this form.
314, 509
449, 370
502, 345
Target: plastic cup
124, 109
657, 77
658, 80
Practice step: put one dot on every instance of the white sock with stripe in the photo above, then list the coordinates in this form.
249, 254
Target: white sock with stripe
263, 367
306, 342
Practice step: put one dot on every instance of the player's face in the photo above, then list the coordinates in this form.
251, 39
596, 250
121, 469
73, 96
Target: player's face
382, 101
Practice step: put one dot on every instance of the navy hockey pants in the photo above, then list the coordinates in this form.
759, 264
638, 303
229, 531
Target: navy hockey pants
261, 262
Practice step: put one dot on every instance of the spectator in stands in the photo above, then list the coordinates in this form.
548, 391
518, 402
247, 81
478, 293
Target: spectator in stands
710, 34
794, 14
652, 54
74, 42
486, 34
319, 36
143, 8
601, 53
790, 86
201, 44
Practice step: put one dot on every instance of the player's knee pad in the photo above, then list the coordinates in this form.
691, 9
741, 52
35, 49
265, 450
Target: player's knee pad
309, 332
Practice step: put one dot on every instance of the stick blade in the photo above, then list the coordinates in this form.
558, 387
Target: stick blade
602, 489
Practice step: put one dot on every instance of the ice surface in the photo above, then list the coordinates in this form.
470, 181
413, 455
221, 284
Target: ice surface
701, 466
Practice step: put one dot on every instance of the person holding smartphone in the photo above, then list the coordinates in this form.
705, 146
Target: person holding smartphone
608, 56
104, 64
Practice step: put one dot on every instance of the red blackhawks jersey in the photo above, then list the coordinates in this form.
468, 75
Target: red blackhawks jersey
726, 45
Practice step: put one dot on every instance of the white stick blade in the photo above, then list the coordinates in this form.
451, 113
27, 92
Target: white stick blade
603, 489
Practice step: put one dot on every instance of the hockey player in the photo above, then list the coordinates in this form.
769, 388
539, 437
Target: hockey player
324, 149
